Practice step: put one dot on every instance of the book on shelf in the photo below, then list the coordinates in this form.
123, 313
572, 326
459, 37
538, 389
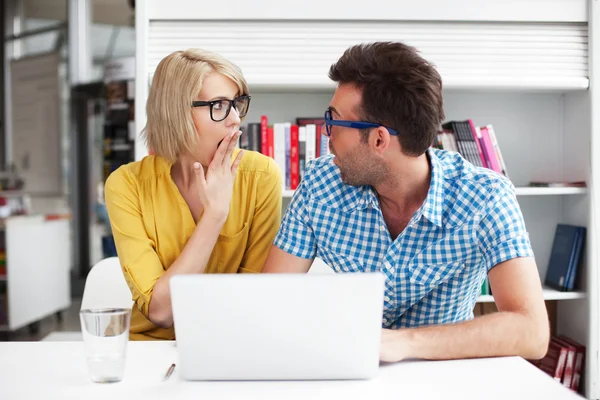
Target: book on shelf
478, 145
579, 358
553, 363
485, 287
291, 145
564, 361
558, 184
565, 257
3, 306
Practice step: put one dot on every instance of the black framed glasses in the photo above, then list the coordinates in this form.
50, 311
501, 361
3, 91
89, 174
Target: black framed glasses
329, 122
219, 109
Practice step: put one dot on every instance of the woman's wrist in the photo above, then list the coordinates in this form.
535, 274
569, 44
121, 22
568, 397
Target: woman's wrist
215, 216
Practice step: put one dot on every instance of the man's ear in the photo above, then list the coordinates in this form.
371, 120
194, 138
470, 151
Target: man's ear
379, 139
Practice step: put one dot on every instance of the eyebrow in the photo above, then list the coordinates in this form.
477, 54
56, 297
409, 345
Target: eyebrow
220, 98
333, 110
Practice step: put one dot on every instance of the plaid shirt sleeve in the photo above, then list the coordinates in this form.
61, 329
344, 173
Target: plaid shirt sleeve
502, 234
295, 234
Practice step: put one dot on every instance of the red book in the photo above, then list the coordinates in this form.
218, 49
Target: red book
567, 378
579, 359
294, 158
270, 143
264, 126
554, 361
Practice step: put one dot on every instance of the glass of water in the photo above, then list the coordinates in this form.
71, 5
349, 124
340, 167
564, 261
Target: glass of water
105, 336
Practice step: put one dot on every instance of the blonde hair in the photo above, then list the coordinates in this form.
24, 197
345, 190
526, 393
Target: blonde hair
177, 81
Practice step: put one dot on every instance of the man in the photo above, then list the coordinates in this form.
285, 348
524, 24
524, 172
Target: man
432, 223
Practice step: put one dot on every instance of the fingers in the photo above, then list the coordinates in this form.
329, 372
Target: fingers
221, 150
236, 162
230, 147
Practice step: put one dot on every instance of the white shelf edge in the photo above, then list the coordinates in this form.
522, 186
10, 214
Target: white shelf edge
548, 191
518, 83
520, 191
549, 294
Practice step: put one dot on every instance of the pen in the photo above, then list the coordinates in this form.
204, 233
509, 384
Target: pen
169, 371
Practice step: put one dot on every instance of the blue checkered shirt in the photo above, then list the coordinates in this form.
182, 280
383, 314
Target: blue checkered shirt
469, 222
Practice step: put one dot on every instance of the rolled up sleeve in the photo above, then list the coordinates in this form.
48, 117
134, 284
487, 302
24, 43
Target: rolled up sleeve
137, 252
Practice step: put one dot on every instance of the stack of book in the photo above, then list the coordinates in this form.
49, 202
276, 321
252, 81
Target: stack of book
478, 145
291, 145
564, 361
565, 257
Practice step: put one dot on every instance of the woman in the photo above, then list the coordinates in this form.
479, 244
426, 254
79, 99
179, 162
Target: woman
198, 205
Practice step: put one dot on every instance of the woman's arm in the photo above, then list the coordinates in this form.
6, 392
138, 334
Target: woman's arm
146, 277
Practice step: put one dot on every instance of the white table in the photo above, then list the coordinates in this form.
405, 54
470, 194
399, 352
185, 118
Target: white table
35, 370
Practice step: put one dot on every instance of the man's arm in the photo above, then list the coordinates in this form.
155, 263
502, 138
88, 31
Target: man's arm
294, 247
520, 327
281, 261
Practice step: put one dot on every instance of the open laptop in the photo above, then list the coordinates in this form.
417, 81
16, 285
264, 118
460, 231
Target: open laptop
277, 326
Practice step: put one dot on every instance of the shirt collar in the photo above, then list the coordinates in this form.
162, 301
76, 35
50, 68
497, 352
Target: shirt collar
432, 207
361, 197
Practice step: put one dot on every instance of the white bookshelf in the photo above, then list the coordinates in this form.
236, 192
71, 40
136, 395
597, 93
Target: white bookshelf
549, 295
542, 191
535, 91
520, 191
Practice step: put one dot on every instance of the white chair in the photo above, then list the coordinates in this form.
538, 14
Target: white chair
105, 286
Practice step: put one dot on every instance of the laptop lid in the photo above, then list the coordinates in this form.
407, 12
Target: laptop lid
277, 326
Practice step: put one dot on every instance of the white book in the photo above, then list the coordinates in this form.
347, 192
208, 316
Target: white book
288, 157
302, 149
311, 142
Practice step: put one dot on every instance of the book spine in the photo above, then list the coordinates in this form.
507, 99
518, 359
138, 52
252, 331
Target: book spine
264, 132
476, 137
294, 158
288, 158
279, 149
494, 140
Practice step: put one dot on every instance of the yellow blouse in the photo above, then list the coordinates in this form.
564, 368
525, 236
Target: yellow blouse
151, 224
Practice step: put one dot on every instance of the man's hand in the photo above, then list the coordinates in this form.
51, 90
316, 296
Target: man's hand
394, 345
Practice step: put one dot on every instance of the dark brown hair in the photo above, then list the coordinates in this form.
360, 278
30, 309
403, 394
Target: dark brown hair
399, 89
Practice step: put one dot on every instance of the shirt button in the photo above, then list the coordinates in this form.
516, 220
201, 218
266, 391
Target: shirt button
385, 320
383, 228
437, 277
412, 280
387, 298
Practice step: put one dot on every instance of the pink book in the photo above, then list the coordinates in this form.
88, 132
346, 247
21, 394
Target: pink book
489, 148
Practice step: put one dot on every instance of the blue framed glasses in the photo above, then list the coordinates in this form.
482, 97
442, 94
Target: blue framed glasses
329, 121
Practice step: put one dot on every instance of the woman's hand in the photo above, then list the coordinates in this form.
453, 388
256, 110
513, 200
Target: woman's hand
216, 187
